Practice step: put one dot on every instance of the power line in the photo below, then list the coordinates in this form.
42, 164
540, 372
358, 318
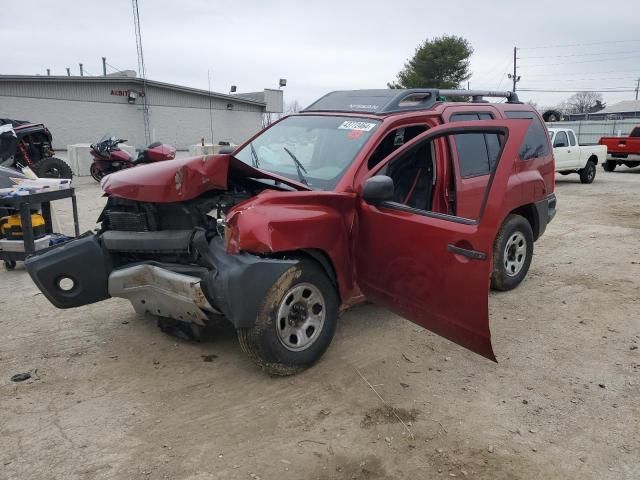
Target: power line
583, 54
556, 74
570, 80
577, 90
581, 61
141, 71
580, 44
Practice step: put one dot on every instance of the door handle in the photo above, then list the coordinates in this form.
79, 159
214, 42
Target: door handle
465, 252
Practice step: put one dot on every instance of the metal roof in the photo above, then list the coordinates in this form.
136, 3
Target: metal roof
139, 81
621, 107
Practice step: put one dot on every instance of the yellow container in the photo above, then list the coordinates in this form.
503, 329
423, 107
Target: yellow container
11, 226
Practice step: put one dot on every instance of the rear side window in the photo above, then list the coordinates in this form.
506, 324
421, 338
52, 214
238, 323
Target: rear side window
560, 140
635, 132
572, 138
477, 152
535, 141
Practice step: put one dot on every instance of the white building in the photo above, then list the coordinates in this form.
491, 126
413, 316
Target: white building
81, 109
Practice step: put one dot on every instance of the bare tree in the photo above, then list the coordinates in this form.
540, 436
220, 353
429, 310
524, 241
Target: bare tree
293, 107
534, 105
584, 102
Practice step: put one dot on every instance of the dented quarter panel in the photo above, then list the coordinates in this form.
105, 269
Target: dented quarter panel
275, 222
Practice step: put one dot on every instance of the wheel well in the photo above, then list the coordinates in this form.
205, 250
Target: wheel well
530, 214
593, 159
321, 258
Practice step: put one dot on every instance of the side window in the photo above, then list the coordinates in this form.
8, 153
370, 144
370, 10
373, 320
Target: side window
572, 138
415, 177
560, 140
534, 144
392, 141
477, 152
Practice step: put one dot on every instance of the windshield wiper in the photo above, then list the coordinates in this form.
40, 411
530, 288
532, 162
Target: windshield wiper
254, 156
299, 167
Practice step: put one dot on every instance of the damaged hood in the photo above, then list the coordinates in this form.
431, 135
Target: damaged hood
183, 179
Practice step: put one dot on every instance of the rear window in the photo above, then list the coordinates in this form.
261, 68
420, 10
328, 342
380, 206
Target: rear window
535, 141
477, 152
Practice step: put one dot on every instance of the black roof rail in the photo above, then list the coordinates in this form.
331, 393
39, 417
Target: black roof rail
381, 101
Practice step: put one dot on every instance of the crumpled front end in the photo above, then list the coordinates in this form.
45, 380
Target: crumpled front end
91, 269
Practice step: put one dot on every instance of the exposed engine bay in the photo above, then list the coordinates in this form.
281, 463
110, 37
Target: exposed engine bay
169, 228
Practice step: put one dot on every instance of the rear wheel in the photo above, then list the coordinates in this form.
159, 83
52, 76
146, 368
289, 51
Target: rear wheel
632, 164
296, 323
588, 173
52, 167
9, 264
609, 166
512, 252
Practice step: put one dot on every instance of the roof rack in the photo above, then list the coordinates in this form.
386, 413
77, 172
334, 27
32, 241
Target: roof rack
389, 100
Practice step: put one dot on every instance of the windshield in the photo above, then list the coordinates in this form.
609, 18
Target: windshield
315, 150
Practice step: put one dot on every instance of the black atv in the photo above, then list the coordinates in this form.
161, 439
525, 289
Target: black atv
26, 144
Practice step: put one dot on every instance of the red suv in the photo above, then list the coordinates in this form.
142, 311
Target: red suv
396, 196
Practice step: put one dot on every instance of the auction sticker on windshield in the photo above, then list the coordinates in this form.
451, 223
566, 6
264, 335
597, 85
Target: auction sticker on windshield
351, 125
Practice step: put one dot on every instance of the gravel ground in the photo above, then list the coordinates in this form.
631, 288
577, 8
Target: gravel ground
111, 397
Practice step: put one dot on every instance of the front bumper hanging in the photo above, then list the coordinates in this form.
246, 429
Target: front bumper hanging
81, 272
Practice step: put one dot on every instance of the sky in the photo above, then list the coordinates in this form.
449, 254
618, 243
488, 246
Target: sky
320, 46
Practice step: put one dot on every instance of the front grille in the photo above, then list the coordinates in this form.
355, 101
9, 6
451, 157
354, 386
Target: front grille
127, 221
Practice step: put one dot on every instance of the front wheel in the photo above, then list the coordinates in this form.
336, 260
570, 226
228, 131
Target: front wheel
512, 252
609, 166
296, 322
588, 173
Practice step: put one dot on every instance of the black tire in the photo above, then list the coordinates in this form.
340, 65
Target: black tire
52, 167
505, 276
96, 173
609, 166
588, 173
263, 342
9, 264
632, 164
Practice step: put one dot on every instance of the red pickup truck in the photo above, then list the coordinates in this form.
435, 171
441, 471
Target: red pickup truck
622, 150
396, 196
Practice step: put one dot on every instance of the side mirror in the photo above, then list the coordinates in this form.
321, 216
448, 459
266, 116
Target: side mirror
378, 189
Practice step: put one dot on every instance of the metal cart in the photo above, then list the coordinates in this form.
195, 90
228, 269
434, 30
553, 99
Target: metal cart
24, 204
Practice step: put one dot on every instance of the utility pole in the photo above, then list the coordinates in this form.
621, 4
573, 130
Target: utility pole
514, 76
104, 66
637, 88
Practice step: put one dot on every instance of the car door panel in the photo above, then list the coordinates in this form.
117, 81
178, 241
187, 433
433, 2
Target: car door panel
434, 269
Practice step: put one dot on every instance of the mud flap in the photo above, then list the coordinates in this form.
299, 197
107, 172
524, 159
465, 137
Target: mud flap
239, 283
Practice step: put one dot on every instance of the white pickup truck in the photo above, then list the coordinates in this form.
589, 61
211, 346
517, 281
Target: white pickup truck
573, 158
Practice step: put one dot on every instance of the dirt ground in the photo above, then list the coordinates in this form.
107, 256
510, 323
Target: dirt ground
111, 397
